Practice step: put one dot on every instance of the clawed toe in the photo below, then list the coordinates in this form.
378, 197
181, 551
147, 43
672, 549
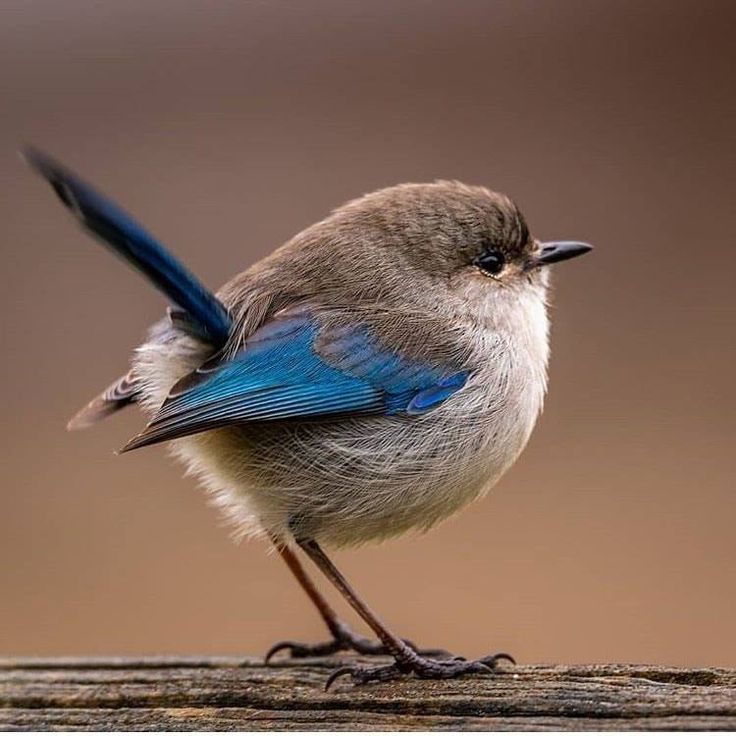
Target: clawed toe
345, 640
422, 667
492, 660
362, 675
343, 643
297, 650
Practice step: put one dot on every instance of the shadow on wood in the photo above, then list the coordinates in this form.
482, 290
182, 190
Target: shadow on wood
237, 694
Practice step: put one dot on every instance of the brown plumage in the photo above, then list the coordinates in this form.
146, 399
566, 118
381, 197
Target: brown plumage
374, 375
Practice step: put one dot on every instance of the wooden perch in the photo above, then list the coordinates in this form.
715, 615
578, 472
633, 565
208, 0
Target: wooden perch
216, 693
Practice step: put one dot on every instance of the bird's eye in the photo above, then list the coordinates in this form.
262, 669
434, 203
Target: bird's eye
492, 262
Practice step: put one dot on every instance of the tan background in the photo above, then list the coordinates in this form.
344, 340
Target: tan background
226, 127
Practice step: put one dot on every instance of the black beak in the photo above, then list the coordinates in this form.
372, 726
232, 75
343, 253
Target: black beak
560, 251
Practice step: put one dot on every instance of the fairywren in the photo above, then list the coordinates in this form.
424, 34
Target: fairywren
374, 375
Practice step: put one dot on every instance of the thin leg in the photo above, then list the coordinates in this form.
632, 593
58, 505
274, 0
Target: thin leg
406, 659
392, 643
325, 609
343, 638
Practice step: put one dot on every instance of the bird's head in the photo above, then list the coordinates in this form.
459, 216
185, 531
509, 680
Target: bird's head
448, 235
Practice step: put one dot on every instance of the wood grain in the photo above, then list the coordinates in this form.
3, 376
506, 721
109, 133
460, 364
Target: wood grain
211, 693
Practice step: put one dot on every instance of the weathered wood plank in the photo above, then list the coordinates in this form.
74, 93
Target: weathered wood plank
234, 694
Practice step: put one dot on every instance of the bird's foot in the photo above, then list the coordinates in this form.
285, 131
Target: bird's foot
345, 640
410, 662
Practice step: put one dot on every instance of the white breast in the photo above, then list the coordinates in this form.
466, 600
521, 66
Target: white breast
348, 482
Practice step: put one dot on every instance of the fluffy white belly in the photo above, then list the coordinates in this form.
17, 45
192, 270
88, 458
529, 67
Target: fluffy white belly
354, 480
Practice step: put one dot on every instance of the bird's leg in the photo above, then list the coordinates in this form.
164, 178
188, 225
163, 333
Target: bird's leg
406, 659
343, 638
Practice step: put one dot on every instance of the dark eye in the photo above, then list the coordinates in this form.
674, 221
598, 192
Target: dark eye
492, 261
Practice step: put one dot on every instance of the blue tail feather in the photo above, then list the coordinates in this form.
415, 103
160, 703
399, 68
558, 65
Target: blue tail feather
126, 237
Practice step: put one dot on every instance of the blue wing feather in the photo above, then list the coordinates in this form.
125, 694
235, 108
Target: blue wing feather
288, 370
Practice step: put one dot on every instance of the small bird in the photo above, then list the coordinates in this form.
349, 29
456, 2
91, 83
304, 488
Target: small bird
372, 376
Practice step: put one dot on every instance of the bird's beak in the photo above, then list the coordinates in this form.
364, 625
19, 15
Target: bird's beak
560, 251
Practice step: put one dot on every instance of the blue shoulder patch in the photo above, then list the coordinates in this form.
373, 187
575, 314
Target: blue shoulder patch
431, 397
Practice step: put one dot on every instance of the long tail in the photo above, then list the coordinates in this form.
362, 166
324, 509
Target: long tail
116, 229
125, 236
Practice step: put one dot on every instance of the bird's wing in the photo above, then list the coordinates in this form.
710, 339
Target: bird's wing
292, 368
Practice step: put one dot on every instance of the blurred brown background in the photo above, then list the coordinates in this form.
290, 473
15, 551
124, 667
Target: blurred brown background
228, 126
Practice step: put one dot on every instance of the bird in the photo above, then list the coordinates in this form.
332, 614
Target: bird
372, 376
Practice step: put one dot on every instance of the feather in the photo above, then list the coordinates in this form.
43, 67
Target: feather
280, 374
125, 236
116, 396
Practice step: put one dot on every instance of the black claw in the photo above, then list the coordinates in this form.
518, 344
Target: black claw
494, 659
301, 651
336, 675
480, 667
276, 648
